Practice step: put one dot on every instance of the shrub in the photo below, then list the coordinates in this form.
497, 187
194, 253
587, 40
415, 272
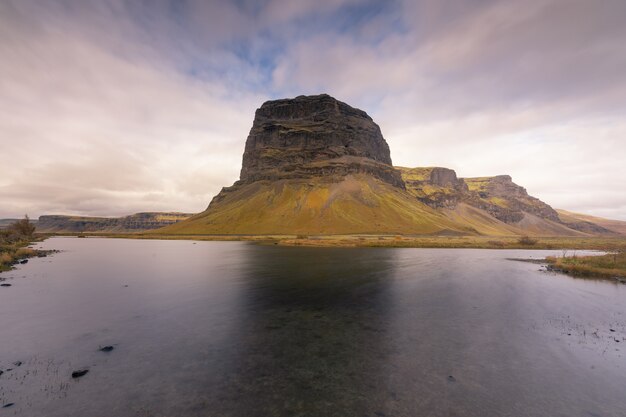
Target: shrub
526, 240
23, 227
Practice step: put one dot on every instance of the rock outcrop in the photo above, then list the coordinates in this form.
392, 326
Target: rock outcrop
499, 196
435, 186
133, 223
315, 136
505, 200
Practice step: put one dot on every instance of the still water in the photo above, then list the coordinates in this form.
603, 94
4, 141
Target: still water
237, 329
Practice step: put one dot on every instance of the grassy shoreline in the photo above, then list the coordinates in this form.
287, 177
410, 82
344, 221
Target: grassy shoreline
611, 266
14, 252
393, 241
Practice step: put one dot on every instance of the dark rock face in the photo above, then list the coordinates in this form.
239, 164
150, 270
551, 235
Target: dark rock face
314, 136
443, 177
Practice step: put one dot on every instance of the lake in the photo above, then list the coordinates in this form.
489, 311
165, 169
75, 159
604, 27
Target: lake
238, 329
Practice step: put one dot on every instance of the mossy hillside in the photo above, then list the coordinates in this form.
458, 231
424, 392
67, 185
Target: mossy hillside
356, 204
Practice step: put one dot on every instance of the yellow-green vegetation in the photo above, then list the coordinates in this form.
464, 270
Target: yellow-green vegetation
478, 184
612, 265
422, 176
355, 204
415, 174
499, 201
13, 242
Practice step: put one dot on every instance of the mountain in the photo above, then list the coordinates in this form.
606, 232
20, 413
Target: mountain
133, 223
315, 165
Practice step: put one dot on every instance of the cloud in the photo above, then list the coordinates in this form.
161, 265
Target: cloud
111, 107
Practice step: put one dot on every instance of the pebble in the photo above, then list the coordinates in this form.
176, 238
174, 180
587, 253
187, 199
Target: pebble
451, 378
8, 405
5, 285
106, 349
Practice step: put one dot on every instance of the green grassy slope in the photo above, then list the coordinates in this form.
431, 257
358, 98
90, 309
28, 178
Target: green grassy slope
357, 204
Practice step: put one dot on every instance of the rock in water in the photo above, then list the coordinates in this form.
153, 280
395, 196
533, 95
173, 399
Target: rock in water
313, 136
79, 373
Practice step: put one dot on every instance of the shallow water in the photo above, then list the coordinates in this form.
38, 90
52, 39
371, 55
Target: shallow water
236, 329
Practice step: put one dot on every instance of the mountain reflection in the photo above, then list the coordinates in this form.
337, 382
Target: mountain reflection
313, 337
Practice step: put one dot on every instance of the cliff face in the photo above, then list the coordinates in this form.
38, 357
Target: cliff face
505, 200
499, 196
133, 223
315, 136
435, 186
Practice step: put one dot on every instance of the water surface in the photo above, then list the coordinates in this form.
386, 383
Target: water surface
236, 329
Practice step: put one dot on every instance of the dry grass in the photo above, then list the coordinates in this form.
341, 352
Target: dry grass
607, 266
13, 248
401, 241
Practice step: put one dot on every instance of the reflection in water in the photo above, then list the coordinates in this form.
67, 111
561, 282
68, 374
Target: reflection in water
314, 337
233, 329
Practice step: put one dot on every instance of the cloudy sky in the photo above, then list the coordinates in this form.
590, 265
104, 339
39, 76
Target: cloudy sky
111, 107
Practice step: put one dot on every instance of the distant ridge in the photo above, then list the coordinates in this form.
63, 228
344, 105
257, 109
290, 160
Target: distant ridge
586, 222
132, 223
315, 165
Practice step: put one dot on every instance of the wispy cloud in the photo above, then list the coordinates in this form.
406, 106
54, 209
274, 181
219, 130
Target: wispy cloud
111, 107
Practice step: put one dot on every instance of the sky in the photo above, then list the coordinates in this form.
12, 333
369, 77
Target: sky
112, 107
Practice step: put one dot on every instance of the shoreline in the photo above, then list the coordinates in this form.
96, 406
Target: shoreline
606, 244
20, 251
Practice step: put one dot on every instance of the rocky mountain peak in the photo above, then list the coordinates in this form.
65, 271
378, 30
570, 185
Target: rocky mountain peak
315, 136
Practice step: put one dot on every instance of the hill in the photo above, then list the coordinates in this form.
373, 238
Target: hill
132, 223
591, 223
